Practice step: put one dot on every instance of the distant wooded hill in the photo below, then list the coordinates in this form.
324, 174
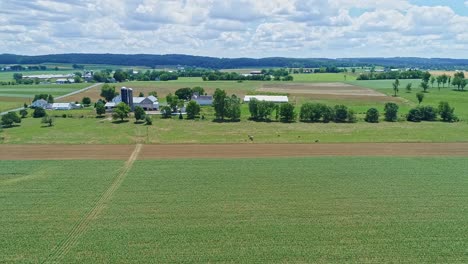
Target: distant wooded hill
227, 63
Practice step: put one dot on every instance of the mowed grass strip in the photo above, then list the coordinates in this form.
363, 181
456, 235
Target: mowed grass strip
325, 210
41, 202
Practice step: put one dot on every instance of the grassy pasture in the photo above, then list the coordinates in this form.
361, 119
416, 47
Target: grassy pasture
92, 130
329, 209
457, 99
41, 201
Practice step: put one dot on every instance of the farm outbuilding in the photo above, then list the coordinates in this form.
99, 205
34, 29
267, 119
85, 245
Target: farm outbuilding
267, 98
65, 106
40, 103
203, 99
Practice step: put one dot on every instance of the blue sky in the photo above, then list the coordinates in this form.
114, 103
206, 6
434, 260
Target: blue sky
237, 28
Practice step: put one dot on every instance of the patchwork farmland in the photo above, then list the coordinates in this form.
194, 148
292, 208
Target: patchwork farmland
156, 205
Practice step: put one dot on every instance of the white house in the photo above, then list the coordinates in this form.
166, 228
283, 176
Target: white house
267, 98
202, 99
40, 103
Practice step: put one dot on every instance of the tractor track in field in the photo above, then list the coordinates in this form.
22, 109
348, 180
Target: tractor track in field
61, 249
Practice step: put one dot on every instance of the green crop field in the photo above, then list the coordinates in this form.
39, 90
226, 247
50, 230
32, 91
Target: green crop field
334, 209
42, 200
324, 77
14, 96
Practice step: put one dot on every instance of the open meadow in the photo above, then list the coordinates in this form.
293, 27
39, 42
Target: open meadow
326, 209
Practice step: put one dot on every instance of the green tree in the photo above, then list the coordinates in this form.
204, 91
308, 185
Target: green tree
424, 86
39, 112
342, 114
184, 93
100, 109
426, 76
139, 113
198, 90
108, 92
444, 79
287, 112
18, 77
439, 80
396, 84
193, 110
166, 111
141, 94
148, 120
153, 93
232, 108
120, 75
414, 115
432, 81
172, 101
372, 115
420, 97
47, 119
9, 118
219, 97
408, 87
121, 111
446, 112
23, 113
391, 112
86, 101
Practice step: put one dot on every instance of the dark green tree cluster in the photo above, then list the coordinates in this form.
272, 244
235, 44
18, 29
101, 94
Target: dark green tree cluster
411, 74
39, 112
226, 106
48, 97
10, 118
193, 110
262, 110
316, 112
372, 115
459, 81
108, 92
391, 112
121, 111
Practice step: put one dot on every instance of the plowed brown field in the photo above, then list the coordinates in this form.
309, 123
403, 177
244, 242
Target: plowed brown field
122, 152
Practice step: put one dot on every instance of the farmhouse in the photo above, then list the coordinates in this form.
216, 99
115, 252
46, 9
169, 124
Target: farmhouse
267, 98
202, 99
40, 103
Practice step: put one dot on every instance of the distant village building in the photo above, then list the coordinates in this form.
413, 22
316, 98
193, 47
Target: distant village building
267, 98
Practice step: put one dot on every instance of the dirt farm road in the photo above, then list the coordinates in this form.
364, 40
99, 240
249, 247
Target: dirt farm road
175, 151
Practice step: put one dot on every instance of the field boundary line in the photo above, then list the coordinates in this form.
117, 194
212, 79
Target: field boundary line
61, 249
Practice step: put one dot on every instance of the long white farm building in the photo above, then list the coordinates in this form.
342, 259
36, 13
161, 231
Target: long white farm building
267, 98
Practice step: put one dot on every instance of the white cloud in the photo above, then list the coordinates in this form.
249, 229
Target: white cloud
233, 28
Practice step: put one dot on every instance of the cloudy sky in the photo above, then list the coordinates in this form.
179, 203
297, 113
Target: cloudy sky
237, 28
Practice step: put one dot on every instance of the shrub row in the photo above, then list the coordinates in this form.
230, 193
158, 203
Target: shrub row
316, 112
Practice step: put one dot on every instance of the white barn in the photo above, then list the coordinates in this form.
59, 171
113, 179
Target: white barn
267, 98
65, 106
203, 99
